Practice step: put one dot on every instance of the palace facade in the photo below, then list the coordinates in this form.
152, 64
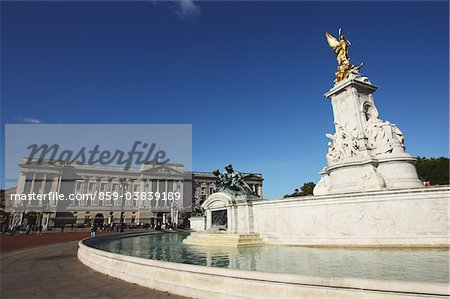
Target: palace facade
150, 195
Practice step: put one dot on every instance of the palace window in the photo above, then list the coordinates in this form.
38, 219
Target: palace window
170, 186
79, 187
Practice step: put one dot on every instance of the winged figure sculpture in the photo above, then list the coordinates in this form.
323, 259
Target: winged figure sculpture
340, 48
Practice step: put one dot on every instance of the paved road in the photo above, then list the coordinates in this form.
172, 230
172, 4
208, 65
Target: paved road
53, 271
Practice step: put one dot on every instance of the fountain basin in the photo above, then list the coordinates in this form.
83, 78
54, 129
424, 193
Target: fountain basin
214, 282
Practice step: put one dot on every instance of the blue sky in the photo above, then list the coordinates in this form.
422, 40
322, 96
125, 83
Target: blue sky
248, 76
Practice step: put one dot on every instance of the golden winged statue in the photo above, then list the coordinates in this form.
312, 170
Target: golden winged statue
340, 48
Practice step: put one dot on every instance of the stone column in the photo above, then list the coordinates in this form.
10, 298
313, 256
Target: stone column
99, 202
165, 193
58, 189
55, 184
157, 190
209, 219
181, 190
175, 220
111, 185
44, 181
230, 224
32, 183
141, 189
84, 188
129, 188
54, 188
250, 219
21, 183
149, 202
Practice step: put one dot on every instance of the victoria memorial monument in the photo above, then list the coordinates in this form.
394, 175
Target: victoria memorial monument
369, 193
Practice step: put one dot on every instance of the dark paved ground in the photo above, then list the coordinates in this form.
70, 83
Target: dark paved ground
53, 271
8, 243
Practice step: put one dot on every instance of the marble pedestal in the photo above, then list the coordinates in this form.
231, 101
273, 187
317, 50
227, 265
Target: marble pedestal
197, 223
369, 174
365, 153
229, 222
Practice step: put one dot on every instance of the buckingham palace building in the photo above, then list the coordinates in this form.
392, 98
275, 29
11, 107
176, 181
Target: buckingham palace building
62, 193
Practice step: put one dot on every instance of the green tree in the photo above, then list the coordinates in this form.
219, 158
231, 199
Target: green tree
435, 170
307, 189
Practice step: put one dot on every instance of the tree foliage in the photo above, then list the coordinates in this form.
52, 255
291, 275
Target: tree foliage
307, 189
435, 170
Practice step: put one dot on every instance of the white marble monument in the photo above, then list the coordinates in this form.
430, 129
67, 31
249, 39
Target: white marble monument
365, 153
229, 222
369, 194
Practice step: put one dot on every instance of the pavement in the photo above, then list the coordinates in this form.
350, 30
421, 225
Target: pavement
22, 241
54, 271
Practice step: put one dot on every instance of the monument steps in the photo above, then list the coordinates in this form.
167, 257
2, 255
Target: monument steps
223, 239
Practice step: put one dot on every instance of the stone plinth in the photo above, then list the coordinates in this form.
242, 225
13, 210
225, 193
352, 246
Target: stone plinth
197, 223
229, 222
239, 212
365, 153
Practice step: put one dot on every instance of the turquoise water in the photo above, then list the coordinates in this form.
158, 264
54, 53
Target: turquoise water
388, 264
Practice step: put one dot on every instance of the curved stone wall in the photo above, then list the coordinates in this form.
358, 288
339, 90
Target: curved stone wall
207, 282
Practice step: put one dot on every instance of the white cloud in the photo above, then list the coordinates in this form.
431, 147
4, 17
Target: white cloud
186, 9
30, 120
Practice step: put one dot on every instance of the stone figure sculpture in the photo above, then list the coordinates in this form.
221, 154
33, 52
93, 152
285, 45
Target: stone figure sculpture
383, 137
231, 182
342, 145
340, 48
197, 209
333, 154
219, 183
